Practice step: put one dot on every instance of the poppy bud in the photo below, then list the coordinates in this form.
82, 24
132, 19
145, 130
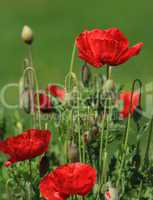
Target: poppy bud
108, 85
95, 130
86, 137
43, 165
86, 75
27, 100
73, 153
27, 35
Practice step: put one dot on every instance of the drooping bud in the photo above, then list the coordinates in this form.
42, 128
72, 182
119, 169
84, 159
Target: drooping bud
86, 75
73, 155
95, 131
27, 35
44, 165
27, 100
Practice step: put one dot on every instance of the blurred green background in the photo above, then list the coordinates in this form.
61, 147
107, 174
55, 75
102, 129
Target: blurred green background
57, 23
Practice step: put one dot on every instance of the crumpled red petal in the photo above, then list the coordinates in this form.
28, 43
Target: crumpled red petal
25, 146
70, 179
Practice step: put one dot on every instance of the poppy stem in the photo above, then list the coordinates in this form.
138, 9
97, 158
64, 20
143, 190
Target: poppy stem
79, 131
125, 142
70, 73
146, 157
101, 140
30, 176
108, 72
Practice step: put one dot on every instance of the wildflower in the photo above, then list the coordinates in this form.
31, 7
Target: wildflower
26, 145
56, 91
125, 97
99, 47
66, 180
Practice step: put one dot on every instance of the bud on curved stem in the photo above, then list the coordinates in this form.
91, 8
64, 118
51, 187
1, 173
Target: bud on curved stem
27, 35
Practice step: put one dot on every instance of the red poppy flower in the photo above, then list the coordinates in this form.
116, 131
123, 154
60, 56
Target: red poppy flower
110, 46
25, 146
56, 91
44, 101
107, 196
125, 97
50, 190
70, 179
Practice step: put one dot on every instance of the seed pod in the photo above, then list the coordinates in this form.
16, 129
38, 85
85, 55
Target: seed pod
44, 165
86, 75
27, 35
73, 153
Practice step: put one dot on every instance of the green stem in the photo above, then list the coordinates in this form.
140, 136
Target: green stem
79, 131
30, 176
140, 190
108, 72
70, 73
146, 158
124, 151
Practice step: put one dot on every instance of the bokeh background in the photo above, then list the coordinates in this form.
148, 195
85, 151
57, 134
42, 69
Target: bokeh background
57, 23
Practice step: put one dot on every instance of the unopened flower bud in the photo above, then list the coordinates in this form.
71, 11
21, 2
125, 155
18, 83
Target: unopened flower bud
86, 75
27, 35
43, 165
95, 131
27, 100
73, 153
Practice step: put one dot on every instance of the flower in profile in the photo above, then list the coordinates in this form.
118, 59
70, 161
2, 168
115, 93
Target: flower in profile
44, 102
125, 97
56, 91
26, 145
66, 180
99, 47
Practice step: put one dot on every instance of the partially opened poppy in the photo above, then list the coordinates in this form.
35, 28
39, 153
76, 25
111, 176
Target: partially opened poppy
44, 102
125, 97
56, 91
70, 179
99, 47
108, 196
25, 146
